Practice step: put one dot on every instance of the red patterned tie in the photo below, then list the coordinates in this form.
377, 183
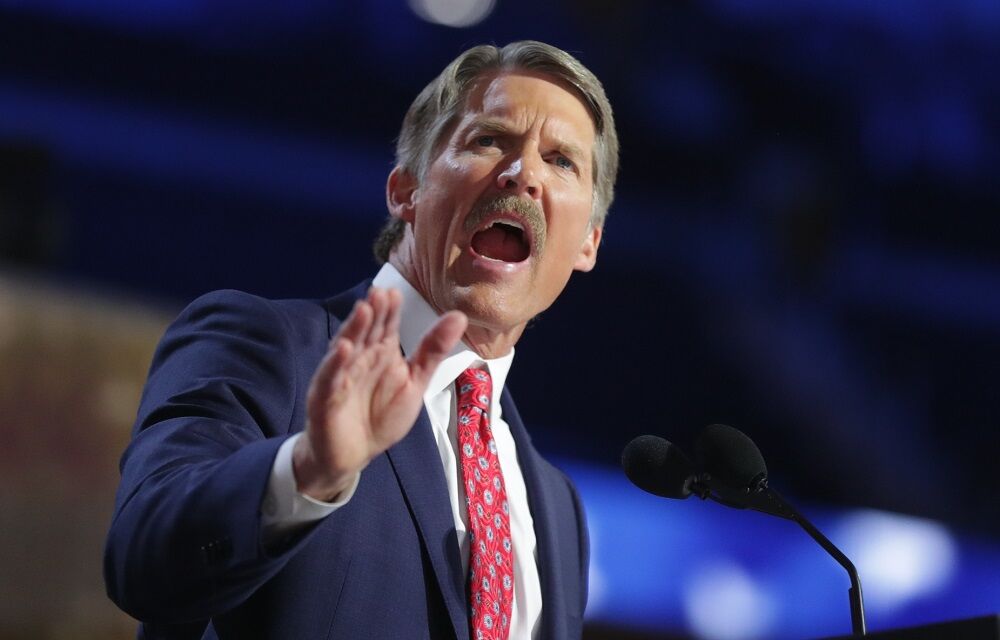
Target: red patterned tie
491, 555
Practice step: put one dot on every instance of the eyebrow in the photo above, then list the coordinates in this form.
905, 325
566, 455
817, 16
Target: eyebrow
499, 126
490, 125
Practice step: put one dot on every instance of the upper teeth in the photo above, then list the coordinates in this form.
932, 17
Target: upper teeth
510, 223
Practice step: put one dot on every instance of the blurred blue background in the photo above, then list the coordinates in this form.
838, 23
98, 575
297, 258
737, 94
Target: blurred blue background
805, 245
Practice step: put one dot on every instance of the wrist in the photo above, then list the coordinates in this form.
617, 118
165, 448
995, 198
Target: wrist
315, 479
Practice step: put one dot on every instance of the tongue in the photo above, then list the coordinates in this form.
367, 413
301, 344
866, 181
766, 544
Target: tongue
500, 244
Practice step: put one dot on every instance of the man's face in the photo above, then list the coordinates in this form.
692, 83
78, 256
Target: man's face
501, 218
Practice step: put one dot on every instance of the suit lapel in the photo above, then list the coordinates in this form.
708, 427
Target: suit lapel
539, 500
415, 461
425, 488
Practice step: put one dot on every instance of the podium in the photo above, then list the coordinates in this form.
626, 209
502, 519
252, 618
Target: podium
981, 628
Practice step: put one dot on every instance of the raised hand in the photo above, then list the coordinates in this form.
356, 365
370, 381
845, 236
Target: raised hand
365, 396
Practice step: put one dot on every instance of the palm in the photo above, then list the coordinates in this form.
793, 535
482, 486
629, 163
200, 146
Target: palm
365, 396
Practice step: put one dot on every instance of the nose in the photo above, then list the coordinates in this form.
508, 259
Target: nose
521, 176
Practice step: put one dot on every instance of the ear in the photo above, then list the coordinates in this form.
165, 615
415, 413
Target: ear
587, 258
401, 194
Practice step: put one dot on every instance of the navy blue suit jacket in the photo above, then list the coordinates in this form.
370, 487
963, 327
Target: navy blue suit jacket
184, 555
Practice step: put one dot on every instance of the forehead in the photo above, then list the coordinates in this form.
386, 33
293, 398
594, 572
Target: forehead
530, 99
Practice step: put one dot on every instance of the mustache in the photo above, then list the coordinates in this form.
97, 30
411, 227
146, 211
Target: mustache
526, 209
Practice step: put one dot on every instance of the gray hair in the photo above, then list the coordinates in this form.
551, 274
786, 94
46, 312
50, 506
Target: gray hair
436, 107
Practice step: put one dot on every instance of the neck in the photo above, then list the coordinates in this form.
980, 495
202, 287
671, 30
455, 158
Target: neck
486, 340
489, 343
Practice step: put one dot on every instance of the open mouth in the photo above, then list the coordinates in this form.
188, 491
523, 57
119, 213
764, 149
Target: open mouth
503, 240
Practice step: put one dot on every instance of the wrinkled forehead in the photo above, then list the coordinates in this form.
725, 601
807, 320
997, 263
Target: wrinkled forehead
538, 90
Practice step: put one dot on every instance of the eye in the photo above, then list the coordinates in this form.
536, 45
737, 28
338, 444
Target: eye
486, 141
563, 162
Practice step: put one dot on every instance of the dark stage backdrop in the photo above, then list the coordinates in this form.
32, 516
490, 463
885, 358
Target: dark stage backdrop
804, 246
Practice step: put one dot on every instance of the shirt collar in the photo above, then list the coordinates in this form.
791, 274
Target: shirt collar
417, 318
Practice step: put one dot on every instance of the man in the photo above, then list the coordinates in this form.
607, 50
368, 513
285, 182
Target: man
353, 468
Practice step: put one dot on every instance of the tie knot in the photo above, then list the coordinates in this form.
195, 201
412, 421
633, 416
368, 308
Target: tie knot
474, 388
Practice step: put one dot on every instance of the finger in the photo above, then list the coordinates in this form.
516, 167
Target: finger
434, 346
335, 361
349, 376
384, 345
392, 380
380, 306
371, 355
357, 324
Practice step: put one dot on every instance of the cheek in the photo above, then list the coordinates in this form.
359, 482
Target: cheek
462, 171
571, 222
458, 186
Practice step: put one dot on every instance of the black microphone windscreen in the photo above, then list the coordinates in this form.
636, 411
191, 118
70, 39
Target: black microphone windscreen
731, 457
657, 466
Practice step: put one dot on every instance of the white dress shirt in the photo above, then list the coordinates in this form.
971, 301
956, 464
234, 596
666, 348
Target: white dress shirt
285, 509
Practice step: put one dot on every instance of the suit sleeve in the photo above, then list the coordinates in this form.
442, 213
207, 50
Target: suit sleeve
184, 542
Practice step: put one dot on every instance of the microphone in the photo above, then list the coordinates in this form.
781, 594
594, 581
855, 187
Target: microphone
731, 471
659, 467
731, 456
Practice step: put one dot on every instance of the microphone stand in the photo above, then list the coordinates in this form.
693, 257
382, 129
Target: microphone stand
760, 497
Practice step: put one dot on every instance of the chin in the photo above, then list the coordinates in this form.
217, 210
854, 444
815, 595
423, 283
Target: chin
491, 307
